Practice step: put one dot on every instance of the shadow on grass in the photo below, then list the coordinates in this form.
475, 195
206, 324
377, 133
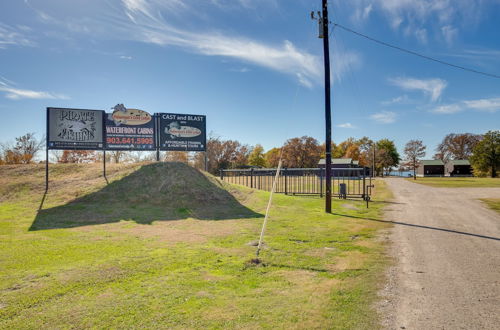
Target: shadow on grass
419, 226
385, 202
155, 192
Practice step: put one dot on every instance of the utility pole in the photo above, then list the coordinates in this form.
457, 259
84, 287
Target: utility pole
323, 33
373, 163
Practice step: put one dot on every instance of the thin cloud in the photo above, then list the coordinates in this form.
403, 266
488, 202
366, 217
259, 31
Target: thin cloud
165, 23
441, 19
361, 14
448, 109
346, 125
485, 105
488, 105
10, 36
241, 70
396, 100
124, 57
450, 34
14, 93
432, 87
384, 117
285, 58
420, 34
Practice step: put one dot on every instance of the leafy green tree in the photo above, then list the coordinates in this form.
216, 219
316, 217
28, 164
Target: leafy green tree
387, 155
256, 157
272, 157
337, 151
486, 154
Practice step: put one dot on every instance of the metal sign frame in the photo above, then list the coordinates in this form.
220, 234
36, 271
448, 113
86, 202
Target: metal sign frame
156, 120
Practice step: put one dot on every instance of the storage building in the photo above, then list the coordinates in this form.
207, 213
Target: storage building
434, 167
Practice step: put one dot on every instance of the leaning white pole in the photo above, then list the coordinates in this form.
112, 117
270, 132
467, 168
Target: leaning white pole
259, 246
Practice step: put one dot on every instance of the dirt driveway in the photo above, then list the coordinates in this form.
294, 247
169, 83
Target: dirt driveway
446, 245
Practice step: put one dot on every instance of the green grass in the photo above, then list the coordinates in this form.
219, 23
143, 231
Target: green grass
453, 182
147, 252
493, 203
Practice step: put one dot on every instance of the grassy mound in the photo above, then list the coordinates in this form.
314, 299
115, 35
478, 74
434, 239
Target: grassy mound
158, 191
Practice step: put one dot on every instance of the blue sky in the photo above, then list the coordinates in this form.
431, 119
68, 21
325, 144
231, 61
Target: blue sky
254, 67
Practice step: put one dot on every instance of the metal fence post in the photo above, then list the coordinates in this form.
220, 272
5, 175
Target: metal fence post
221, 172
286, 181
364, 181
251, 178
320, 182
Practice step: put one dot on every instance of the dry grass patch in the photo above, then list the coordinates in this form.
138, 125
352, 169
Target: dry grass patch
187, 231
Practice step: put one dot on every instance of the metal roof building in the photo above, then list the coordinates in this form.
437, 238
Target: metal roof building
430, 167
458, 167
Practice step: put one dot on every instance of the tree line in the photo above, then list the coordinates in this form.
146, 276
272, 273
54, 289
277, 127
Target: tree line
483, 151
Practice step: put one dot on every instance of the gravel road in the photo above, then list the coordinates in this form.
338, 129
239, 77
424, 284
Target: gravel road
446, 246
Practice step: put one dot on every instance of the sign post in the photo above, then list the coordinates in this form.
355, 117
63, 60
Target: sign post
74, 129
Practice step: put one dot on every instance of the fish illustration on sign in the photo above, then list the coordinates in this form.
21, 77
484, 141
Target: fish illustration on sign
133, 117
176, 130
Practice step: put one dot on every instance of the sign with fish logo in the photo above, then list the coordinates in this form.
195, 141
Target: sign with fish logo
180, 132
131, 117
74, 128
130, 129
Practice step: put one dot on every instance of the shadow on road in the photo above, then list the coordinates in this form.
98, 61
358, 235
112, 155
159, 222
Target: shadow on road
420, 226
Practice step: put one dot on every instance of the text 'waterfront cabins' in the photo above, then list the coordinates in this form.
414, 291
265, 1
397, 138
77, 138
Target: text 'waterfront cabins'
434, 167
458, 167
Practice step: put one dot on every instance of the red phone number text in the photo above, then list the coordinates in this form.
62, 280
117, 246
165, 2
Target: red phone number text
117, 140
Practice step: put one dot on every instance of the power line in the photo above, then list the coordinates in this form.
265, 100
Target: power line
491, 75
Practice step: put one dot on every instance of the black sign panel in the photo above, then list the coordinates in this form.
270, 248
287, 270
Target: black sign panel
74, 128
178, 132
130, 129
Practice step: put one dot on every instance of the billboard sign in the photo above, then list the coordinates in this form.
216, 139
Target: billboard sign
130, 129
181, 132
74, 128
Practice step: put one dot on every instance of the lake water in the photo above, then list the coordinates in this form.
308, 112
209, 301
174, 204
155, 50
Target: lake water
404, 173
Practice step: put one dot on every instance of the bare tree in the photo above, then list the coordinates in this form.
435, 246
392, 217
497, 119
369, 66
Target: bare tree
78, 156
222, 154
414, 150
176, 156
457, 146
117, 155
56, 155
23, 151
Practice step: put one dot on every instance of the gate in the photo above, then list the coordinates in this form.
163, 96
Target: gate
346, 182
